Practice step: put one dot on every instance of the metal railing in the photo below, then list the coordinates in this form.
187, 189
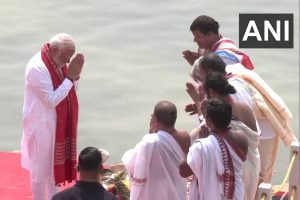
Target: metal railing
292, 174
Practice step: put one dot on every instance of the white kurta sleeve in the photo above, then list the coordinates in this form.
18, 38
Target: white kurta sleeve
40, 81
76, 84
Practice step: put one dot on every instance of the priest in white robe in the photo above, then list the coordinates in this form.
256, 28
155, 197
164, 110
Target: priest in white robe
215, 160
153, 164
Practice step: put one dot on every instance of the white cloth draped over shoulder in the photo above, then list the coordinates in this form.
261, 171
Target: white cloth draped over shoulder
272, 115
267, 104
39, 119
243, 93
205, 160
251, 167
153, 168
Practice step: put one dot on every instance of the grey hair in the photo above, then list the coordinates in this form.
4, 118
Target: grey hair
195, 68
61, 40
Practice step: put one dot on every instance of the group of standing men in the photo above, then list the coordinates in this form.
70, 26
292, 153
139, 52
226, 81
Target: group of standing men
233, 148
235, 143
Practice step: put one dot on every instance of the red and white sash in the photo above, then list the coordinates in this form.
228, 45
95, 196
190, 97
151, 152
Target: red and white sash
66, 124
228, 177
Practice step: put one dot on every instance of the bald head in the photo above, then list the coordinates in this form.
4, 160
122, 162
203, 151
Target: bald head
165, 113
61, 40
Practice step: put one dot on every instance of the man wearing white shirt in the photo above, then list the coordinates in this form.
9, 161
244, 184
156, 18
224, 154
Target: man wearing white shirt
50, 115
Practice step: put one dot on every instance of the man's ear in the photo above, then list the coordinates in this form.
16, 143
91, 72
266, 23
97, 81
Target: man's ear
54, 50
78, 168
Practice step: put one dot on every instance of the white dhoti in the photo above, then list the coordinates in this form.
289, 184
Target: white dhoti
268, 148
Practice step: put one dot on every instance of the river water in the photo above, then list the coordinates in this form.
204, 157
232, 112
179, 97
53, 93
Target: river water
133, 60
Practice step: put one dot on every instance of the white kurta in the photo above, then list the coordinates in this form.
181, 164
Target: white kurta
205, 160
39, 119
156, 160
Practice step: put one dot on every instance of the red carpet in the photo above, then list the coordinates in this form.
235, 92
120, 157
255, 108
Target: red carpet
14, 181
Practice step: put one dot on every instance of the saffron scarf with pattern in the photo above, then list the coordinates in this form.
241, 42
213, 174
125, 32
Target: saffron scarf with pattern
66, 124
